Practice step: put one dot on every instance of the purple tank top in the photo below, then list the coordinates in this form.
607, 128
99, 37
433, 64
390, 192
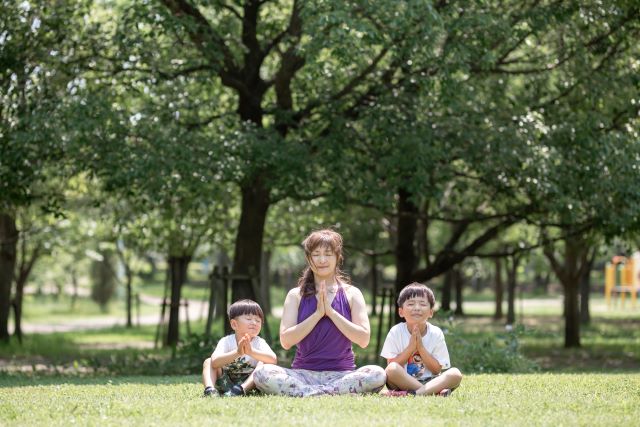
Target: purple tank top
325, 348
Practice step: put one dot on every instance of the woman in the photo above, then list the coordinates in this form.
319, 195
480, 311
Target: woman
322, 316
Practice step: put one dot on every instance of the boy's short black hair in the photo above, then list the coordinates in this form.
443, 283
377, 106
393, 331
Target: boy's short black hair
416, 289
245, 306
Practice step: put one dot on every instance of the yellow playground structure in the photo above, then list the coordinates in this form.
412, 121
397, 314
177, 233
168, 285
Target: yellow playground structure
621, 277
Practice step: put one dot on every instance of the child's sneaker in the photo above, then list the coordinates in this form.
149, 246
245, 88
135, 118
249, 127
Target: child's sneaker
235, 391
445, 392
399, 393
210, 392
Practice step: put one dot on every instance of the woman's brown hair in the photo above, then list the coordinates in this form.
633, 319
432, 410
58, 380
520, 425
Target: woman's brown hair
321, 238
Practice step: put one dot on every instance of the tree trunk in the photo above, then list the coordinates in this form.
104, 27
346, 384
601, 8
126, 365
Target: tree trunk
585, 290
27, 261
248, 247
445, 301
499, 289
512, 281
575, 263
572, 315
129, 277
406, 260
459, 281
8, 254
178, 273
17, 309
569, 272
74, 284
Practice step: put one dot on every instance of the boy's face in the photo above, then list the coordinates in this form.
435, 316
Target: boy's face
246, 324
416, 310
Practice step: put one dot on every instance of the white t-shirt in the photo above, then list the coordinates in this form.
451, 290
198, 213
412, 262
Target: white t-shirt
229, 343
398, 339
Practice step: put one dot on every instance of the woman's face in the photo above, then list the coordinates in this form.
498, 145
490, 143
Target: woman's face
323, 261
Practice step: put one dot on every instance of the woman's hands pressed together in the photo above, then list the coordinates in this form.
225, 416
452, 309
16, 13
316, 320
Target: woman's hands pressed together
324, 303
321, 310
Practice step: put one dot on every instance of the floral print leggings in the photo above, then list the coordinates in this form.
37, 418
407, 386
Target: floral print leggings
273, 379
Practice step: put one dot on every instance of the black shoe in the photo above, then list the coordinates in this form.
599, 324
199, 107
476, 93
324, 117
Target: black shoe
210, 392
235, 391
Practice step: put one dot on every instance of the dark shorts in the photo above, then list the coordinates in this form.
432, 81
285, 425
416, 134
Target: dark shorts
422, 381
234, 373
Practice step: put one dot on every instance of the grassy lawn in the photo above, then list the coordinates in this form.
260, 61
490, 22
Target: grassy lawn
44, 310
543, 399
598, 384
551, 306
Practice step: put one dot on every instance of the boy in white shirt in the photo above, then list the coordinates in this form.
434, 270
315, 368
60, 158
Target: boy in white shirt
229, 370
416, 353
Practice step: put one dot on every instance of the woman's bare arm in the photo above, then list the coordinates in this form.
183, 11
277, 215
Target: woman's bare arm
292, 332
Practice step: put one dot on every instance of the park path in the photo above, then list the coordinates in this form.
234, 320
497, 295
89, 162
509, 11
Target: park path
197, 309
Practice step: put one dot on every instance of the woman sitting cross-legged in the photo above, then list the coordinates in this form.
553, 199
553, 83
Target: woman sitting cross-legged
322, 316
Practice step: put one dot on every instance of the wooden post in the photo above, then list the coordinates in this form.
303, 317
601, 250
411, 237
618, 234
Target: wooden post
226, 282
164, 302
185, 304
255, 279
212, 300
138, 308
264, 283
160, 323
380, 320
374, 282
392, 305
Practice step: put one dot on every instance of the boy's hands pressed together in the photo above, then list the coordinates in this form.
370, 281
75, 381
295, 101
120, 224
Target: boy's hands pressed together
244, 346
248, 350
416, 338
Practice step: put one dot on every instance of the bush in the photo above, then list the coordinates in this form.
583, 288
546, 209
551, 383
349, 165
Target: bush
494, 354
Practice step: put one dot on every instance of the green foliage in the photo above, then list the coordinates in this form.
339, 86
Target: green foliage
36, 46
500, 353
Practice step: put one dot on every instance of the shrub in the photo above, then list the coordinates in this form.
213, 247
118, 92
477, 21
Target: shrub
492, 354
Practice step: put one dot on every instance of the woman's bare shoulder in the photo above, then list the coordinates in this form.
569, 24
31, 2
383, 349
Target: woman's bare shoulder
294, 293
351, 290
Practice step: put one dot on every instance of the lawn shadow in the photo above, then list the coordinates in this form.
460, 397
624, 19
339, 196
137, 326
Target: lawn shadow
34, 380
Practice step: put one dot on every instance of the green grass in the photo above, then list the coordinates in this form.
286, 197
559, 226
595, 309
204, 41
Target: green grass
551, 306
200, 292
546, 399
45, 309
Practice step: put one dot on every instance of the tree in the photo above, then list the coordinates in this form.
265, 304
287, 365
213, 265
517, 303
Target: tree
39, 235
491, 97
267, 80
36, 43
596, 145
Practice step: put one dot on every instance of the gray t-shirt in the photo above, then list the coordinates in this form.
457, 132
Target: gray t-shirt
398, 339
229, 343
